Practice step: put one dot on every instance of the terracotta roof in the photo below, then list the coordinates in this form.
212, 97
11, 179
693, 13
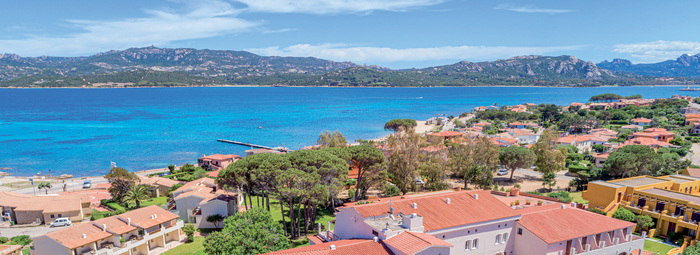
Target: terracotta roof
447, 134
695, 172
7, 249
641, 120
143, 216
315, 239
646, 142
437, 214
114, 225
72, 237
413, 242
577, 104
342, 247
156, 180
196, 184
213, 174
221, 157
601, 155
481, 124
501, 141
47, 204
557, 225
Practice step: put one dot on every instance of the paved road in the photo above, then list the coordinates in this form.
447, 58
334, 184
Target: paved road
561, 175
31, 231
72, 185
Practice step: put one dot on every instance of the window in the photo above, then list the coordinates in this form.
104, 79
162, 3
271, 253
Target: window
52, 216
467, 245
59, 215
498, 239
475, 244
504, 239
520, 231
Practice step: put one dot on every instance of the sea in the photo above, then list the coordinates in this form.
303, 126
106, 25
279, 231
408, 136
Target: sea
80, 131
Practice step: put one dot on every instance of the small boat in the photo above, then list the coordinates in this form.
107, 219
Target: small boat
260, 127
687, 88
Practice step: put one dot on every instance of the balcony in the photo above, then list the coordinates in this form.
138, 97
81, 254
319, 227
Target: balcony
634, 242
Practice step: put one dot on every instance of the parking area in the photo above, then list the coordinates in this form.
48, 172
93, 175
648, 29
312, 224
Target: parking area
31, 231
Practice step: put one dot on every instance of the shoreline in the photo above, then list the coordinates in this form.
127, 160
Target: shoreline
359, 87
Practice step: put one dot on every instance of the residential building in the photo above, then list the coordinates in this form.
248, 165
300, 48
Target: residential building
522, 135
11, 249
632, 127
470, 222
686, 98
673, 201
217, 161
161, 185
582, 142
503, 141
688, 110
646, 141
146, 231
198, 199
521, 125
640, 122
28, 209
659, 134
446, 135
600, 159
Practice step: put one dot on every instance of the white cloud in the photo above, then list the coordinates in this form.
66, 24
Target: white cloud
529, 9
342, 52
205, 19
659, 50
334, 6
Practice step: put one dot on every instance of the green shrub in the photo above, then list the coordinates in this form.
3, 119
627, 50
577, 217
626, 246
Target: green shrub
391, 190
20, 240
562, 196
3, 239
351, 182
596, 210
623, 214
535, 193
577, 168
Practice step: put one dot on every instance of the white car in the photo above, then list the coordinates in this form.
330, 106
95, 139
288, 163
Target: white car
502, 172
60, 222
87, 184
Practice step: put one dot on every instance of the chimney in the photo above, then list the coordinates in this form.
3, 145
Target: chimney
476, 196
128, 221
104, 227
459, 188
415, 206
375, 239
214, 189
563, 206
447, 200
332, 247
84, 236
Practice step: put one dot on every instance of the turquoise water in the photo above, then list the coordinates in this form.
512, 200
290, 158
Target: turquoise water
79, 131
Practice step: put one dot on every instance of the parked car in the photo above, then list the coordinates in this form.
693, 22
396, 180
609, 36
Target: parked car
502, 172
87, 184
60, 222
419, 181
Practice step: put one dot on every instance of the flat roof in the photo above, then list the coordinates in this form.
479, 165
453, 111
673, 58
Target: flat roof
677, 179
676, 195
609, 184
635, 182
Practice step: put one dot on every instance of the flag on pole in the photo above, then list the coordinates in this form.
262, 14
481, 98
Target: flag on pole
112, 164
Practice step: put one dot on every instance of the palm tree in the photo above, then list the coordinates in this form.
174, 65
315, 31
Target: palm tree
46, 186
136, 194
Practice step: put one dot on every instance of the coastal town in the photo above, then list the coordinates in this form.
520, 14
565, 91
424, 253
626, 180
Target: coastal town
615, 175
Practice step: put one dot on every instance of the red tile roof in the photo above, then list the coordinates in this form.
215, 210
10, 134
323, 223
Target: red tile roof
437, 214
342, 247
72, 237
213, 174
641, 120
695, 172
413, 242
221, 157
447, 134
557, 225
502, 141
142, 217
114, 225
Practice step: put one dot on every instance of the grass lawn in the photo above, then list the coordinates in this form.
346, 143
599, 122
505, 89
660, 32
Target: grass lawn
195, 248
323, 217
658, 248
159, 201
577, 197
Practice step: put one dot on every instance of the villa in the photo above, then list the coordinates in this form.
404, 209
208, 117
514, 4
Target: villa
28, 209
145, 231
161, 185
217, 161
470, 222
522, 135
196, 200
673, 201
659, 134
640, 122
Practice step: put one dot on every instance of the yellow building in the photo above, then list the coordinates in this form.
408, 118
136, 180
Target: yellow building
673, 201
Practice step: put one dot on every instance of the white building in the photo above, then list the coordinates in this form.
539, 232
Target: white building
144, 231
476, 222
198, 199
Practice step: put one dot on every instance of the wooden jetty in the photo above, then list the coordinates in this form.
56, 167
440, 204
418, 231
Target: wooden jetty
252, 145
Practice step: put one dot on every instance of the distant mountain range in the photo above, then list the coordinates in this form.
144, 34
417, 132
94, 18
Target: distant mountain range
153, 66
685, 66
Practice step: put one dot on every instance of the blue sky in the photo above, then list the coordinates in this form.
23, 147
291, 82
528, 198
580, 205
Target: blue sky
391, 33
